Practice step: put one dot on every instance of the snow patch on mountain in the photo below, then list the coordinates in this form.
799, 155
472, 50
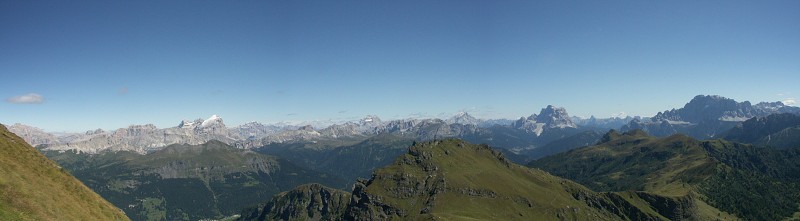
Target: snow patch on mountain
214, 119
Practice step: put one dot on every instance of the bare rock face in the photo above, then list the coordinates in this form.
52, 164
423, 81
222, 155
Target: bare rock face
548, 117
464, 118
707, 116
147, 138
555, 117
34, 136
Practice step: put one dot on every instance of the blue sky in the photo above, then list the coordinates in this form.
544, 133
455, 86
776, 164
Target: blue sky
110, 64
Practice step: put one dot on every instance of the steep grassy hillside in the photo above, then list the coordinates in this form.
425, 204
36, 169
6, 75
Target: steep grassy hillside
750, 182
34, 188
187, 182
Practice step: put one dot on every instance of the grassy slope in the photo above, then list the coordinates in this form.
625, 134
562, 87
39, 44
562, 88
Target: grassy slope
675, 166
635, 162
472, 182
35, 188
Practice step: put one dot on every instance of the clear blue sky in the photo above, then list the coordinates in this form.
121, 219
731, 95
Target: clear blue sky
110, 64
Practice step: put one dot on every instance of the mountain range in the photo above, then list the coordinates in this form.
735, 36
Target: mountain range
148, 138
655, 168
707, 116
550, 131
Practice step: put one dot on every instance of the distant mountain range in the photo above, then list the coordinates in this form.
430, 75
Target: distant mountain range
706, 116
147, 138
702, 118
203, 169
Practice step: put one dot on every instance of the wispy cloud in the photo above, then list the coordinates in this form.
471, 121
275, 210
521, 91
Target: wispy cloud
122, 91
32, 98
790, 101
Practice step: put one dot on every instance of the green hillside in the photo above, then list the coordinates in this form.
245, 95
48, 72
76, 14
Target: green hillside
750, 182
187, 182
455, 180
305, 202
34, 188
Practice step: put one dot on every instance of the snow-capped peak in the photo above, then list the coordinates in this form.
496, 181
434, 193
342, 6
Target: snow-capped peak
211, 120
463, 118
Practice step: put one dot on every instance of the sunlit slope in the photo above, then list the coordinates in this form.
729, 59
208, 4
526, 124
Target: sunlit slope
705, 177
34, 188
455, 180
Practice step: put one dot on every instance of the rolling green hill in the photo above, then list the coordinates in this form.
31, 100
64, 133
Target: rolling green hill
35, 188
750, 182
454, 180
187, 182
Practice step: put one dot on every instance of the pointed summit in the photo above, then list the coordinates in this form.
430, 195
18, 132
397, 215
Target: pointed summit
555, 117
370, 119
463, 118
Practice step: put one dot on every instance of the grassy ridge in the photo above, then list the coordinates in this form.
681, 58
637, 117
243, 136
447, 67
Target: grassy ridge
35, 188
750, 182
455, 180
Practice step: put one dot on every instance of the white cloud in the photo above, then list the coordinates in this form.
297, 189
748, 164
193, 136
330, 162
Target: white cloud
32, 98
790, 102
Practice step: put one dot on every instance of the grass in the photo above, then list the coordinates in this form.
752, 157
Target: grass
35, 188
501, 190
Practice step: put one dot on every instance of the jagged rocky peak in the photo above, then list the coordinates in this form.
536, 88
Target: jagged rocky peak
306, 128
370, 119
771, 105
463, 118
187, 124
251, 124
33, 135
93, 132
710, 108
555, 117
